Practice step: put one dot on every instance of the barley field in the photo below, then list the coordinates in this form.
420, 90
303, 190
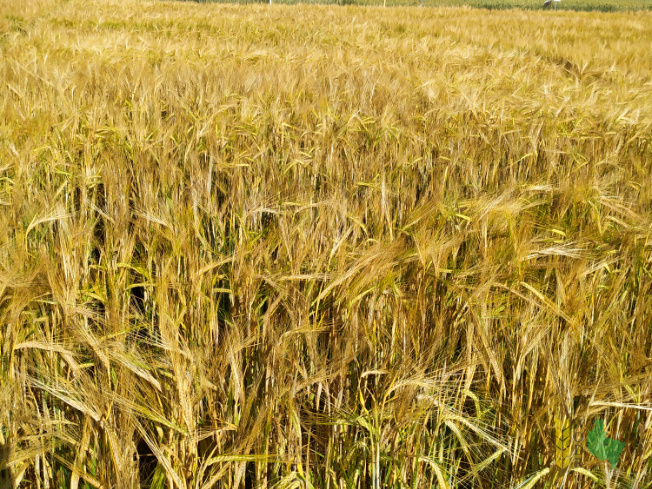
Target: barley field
311, 246
580, 5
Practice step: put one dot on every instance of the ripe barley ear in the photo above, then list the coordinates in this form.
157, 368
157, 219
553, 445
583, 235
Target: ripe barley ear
562, 442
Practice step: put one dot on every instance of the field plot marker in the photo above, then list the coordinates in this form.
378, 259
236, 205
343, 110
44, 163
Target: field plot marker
548, 2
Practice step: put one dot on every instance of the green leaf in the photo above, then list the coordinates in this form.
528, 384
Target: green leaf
614, 449
602, 447
596, 440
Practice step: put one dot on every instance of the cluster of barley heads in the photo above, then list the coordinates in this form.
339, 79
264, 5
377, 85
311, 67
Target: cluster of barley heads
321, 247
